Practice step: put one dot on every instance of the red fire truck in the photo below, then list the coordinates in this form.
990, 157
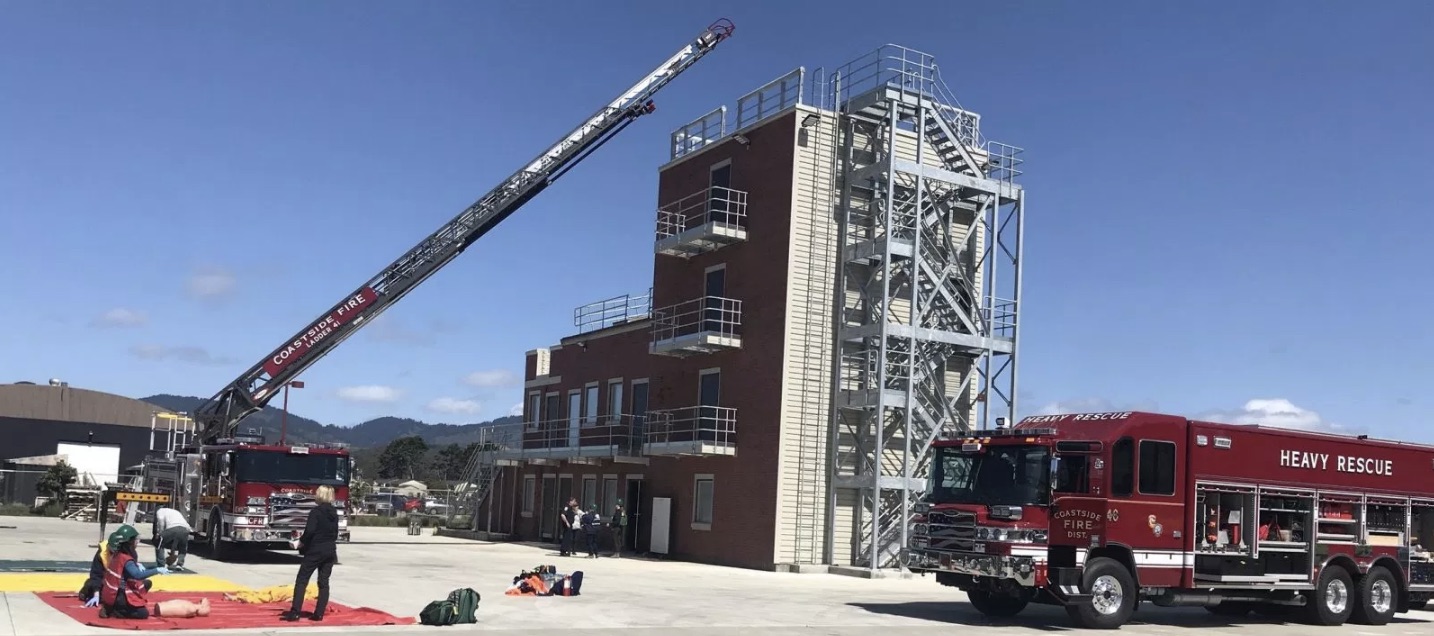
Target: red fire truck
241, 492
1101, 511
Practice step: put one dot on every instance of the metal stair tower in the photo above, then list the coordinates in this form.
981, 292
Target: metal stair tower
928, 291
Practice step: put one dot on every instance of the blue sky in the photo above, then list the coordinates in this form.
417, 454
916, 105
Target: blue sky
1226, 202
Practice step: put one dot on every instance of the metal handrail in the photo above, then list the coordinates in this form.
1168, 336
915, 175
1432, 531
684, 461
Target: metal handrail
715, 425
706, 314
716, 204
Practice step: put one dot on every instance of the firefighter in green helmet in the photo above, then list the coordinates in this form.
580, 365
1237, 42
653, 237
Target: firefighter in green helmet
122, 593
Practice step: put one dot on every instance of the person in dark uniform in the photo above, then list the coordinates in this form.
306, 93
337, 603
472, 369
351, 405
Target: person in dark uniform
568, 527
318, 545
619, 529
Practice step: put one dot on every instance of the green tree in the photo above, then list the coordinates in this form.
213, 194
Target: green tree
402, 458
56, 481
449, 462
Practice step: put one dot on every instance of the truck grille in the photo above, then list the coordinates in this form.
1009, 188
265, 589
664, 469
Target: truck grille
951, 530
290, 510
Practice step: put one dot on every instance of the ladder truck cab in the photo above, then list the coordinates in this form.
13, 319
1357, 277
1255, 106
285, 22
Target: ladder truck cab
1099, 512
241, 492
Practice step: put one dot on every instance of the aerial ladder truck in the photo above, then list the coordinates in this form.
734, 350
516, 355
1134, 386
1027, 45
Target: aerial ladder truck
236, 489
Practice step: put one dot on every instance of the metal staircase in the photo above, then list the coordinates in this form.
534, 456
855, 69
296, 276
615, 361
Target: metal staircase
484, 467
926, 338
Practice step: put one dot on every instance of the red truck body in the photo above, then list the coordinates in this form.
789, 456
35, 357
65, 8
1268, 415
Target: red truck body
1100, 511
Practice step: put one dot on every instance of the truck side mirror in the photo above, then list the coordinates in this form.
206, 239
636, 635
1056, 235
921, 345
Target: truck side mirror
1055, 471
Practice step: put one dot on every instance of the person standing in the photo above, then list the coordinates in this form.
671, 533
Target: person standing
619, 529
171, 532
591, 521
319, 547
568, 527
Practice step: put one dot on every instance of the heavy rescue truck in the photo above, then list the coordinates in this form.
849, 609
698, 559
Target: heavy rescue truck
1102, 511
237, 489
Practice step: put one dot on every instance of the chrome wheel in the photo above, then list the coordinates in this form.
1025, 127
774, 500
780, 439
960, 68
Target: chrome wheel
1106, 595
1336, 596
1381, 596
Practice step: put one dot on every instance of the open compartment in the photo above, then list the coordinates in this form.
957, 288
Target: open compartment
1339, 516
1421, 536
1252, 535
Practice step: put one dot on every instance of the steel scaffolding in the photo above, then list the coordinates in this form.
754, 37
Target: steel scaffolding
926, 296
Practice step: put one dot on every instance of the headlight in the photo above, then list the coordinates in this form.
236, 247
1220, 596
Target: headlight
254, 501
1010, 535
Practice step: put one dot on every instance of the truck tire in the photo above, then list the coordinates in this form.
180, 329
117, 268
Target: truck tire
1375, 602
1113, 595
217, 548
996, 605
1332, 600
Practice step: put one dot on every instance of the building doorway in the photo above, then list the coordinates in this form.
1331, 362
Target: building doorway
549, 508
636, 508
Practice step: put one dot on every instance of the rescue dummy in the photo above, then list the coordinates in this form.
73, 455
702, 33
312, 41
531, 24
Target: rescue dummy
544, 580
125, 582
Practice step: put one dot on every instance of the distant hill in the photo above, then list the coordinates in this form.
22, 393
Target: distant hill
373, 433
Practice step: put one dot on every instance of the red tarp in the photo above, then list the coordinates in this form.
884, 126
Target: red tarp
223, 614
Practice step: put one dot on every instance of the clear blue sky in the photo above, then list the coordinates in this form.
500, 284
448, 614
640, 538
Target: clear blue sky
1226, 202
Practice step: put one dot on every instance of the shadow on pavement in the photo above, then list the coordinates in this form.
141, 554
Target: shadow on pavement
1049, 618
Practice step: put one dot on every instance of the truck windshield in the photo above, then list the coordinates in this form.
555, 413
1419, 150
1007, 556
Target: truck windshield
285, 468
995, 475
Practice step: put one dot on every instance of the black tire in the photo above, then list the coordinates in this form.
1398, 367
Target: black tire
996, 605
218, 549
1112, 587
1376, 599
1332, 600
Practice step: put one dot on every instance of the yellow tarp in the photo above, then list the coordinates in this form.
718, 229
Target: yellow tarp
273, 594
72, 581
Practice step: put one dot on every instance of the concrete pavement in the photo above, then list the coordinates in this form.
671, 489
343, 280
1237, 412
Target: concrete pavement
386, 569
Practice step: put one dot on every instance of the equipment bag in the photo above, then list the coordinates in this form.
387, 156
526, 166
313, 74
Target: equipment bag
443, 612
466, 600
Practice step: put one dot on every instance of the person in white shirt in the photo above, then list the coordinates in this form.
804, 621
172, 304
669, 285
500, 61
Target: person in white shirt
171, 531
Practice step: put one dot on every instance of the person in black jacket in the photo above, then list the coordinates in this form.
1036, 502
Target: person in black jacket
318, 545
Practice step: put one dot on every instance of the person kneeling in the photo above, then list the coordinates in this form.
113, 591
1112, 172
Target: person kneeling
123, 589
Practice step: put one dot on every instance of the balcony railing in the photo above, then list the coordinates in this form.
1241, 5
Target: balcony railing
612, 311
701, 222
692, 430
604, 436
701, 325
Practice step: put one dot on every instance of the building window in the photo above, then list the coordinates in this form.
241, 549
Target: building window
589, 500
609, 494
591, 416
530, 495
614, 400
575, 415
1122, 467
1157, 467
702, 502
551, 412
532, 414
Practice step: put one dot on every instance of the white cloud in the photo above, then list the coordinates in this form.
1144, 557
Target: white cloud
372, 393
455, 406
1275, 412
1093, 405
210, 284
185, 354
120, 317
516, 410
491, 379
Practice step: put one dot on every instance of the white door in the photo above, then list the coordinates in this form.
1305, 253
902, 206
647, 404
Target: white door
101, 461
661, 524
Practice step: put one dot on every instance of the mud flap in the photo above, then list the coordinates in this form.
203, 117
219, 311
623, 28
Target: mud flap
1064, 586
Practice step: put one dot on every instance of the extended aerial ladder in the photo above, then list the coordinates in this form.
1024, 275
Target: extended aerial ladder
220, 416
